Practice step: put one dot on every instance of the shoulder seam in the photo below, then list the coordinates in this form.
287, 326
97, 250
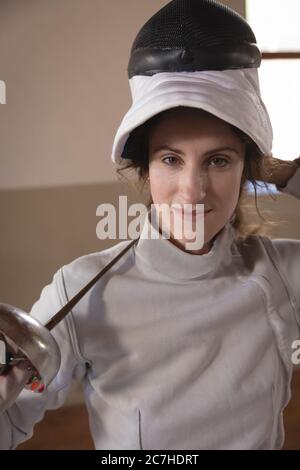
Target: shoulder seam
69, 320
275, 259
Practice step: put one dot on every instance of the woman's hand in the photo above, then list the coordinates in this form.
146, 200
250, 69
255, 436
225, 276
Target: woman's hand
13, 381
278, 171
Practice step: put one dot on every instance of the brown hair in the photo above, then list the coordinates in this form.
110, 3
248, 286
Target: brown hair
137, 159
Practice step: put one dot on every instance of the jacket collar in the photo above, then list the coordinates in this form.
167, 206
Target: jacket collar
166, 258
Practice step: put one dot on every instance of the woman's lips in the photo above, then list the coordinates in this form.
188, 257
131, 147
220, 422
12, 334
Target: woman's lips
190, 213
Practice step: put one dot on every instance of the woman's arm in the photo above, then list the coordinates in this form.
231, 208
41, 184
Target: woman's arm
286, 177
292, 185
282, 173
18, 420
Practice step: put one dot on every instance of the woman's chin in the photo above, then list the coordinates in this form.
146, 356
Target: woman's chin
192, 244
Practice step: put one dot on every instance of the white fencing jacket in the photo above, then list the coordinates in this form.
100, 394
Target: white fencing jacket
175, 350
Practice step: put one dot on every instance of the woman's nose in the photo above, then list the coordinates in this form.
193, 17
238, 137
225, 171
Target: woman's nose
193, 185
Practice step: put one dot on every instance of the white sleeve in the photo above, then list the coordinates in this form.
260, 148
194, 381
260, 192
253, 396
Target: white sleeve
289, 249
288, 256
293, 185
17, 423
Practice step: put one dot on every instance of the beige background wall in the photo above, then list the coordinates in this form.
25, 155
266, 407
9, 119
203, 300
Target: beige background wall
64, 63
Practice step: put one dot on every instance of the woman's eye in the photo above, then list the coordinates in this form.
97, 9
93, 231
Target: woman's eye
219, 161
170, 160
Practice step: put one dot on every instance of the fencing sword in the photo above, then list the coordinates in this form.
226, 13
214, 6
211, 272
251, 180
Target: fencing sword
32, 340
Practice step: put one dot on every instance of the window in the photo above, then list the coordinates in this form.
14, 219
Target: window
276, 26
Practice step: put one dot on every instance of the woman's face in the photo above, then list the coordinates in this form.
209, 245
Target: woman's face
195, 158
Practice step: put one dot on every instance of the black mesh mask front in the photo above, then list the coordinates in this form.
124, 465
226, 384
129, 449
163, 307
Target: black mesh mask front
193, 35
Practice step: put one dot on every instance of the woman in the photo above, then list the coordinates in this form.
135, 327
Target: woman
177, 348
